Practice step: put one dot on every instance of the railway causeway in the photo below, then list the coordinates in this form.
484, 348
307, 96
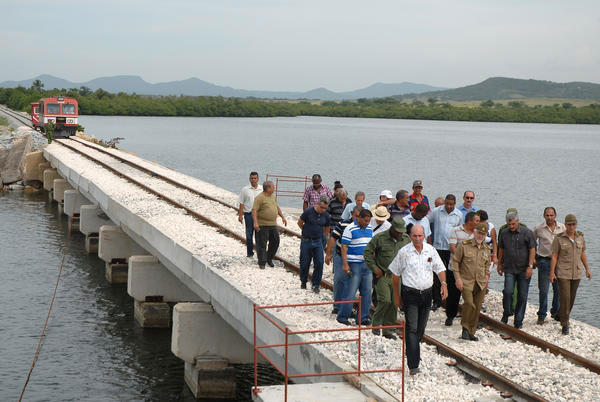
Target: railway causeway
175, 242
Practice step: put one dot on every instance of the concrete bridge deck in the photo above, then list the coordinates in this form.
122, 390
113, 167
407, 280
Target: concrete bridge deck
120, 201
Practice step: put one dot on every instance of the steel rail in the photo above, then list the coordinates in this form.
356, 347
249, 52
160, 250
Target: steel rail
15, 115
168, 179
464, 363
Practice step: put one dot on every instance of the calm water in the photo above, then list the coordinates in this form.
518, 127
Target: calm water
94, 349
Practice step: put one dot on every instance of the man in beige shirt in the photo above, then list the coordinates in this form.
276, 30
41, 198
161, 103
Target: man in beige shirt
471, 268
264, 214
544, 234
568, 255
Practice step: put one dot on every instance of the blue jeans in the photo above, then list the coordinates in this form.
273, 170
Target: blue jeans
522, 292
311, 250
340, 280
416, 314
249, 233
361, 279
543, 285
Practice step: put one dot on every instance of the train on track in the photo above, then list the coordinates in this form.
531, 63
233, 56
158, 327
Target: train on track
62, 112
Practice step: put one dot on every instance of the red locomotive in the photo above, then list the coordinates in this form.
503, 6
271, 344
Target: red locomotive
63, 112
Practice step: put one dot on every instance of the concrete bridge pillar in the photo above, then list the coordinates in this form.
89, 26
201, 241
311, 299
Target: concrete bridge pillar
73, 200
153, 287
91, 217
199, 336
59, 186
115, 248
49, 176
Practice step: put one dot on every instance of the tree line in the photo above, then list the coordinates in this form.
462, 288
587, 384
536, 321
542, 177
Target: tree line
101, 102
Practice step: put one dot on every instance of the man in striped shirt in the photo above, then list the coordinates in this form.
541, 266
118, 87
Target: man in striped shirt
354, 240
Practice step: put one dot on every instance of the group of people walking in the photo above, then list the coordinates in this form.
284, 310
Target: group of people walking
401, 252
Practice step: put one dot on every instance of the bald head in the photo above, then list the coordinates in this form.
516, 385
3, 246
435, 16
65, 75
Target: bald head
417, 235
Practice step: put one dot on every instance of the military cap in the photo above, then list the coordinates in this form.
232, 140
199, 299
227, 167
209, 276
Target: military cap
482, 227
399, 225
570, 219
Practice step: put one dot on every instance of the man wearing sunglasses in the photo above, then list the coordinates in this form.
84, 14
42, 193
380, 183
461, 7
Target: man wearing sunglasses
467, 206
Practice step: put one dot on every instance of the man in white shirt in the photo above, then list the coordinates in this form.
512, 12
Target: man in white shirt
247, 196
415, 263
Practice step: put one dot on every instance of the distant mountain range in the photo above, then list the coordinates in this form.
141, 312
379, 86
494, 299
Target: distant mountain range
196, 87
496, 88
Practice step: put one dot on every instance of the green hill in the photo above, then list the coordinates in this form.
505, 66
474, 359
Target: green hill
512, 88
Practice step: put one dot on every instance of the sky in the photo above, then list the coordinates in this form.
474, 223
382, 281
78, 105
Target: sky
302, 45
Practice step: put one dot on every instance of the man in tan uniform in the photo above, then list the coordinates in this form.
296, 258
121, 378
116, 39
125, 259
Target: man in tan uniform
568, 254
471, 268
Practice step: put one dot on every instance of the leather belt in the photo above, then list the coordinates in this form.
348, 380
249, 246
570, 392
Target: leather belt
416, 291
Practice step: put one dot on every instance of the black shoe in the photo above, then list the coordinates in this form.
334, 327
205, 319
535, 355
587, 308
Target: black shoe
315, 289
390, 336
435, 306
364, 322
249, 255
504, 319
261, 266
465, 334
376, 332
270, 263
541, 321
302, 285
345, 322
556, 317
448, 322
334, 311
414, 371
519, 326
565, 330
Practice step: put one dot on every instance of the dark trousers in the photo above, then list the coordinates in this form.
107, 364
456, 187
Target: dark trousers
437, 285
568, 291
522, 283
311, 250
544, 285
453, 295
416, 314
249, 233
266, 234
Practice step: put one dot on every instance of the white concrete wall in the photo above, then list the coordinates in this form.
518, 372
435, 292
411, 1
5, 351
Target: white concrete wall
92, 218
73, 202
114, 243
199, 330
148, 277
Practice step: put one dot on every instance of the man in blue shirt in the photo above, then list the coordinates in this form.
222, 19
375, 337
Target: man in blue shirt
443, 219
354, 241
467, 206
314, 223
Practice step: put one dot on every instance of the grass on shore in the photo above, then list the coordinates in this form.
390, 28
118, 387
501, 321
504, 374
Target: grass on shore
530, 102
3, 121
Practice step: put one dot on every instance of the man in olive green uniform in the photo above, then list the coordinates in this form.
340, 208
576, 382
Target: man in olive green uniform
568, 254
471, 267
379, 253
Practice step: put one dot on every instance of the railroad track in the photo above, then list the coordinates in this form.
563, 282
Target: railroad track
463, 362
492, 324
15, 115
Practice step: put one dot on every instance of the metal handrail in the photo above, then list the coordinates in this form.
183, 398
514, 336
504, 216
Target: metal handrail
288, 179
258, 349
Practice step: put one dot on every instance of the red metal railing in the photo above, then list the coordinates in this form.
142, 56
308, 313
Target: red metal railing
287, 344
278, 179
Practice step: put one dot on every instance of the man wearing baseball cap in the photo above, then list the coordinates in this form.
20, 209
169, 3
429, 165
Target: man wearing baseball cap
471, 268
417, 196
